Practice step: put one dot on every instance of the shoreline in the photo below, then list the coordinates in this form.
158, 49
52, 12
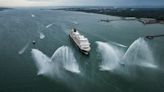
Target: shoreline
145, 16
2, 8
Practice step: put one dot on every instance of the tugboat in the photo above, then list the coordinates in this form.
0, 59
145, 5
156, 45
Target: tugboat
154, 36
33, 42
81, 41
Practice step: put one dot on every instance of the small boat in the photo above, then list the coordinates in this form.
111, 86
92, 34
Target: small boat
81, 41
154, 36
150, 37
33, 42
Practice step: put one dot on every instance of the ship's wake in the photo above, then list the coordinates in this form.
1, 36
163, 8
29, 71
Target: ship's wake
24, 48
62, 59
41, 35
49, 25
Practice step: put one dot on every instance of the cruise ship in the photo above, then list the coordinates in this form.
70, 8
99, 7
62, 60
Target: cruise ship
81, 41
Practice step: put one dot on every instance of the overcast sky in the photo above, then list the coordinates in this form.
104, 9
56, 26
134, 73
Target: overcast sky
29, 3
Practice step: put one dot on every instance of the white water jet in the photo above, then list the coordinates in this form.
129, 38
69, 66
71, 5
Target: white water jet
43, 62
139, 53
111, 55
24, 48
49, 25
62, 58
65, 55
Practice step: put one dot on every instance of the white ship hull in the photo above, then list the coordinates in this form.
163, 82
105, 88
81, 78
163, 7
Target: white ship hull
84, 48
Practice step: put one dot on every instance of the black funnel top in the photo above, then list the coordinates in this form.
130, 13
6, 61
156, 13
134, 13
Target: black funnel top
74, 30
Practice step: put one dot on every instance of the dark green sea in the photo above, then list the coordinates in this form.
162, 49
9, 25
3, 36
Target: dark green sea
121, 59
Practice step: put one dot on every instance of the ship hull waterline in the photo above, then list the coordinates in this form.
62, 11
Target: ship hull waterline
82, 51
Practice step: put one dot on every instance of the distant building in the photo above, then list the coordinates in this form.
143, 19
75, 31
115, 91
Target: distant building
148, 20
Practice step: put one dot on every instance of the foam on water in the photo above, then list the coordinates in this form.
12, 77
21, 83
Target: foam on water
24, 48
49, 25
111, 55
139, 53
42, 36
